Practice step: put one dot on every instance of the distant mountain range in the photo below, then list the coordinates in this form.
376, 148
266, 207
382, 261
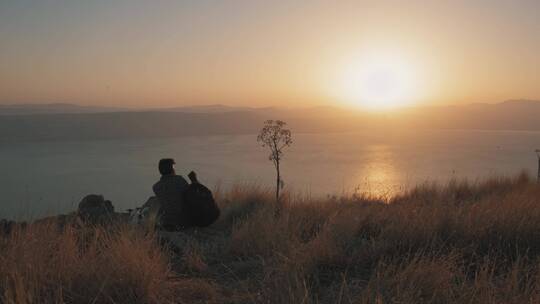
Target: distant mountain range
67, 108
73, 122
53, 108
217, 108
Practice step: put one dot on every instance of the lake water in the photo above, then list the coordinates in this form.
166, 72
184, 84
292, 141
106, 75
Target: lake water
51, 177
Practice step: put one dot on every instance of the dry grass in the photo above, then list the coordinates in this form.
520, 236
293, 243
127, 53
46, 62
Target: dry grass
92, 265
457, 243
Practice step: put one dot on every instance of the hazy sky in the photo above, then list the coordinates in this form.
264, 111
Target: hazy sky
166, 53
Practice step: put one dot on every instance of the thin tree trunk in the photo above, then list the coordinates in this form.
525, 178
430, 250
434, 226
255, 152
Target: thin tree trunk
277, 210
278, 179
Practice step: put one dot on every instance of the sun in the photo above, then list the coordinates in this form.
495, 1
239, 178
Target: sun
378, 82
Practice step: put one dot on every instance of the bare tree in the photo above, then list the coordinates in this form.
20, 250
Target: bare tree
274, 136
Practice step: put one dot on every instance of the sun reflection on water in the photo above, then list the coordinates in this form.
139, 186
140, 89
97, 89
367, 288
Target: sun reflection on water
377, 175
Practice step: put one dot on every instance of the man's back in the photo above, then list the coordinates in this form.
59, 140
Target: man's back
170, 190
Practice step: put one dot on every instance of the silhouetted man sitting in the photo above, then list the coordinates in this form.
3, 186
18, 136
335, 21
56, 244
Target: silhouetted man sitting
170, 192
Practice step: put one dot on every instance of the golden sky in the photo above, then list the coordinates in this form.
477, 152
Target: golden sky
266, 53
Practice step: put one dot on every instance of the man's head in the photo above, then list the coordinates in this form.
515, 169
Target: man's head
166, 166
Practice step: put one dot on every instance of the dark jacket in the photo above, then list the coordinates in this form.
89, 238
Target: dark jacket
170, 191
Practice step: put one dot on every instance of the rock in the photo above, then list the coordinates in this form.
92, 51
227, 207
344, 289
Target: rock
95, 209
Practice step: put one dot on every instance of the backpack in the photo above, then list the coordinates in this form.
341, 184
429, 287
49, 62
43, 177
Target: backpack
201, 205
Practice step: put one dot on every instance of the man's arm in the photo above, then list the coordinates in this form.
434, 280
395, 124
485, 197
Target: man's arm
154, 188
182, 182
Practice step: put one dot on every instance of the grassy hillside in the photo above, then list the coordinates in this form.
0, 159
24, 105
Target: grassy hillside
455, 243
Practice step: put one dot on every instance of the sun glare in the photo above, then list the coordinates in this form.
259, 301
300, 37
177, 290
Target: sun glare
378, 83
